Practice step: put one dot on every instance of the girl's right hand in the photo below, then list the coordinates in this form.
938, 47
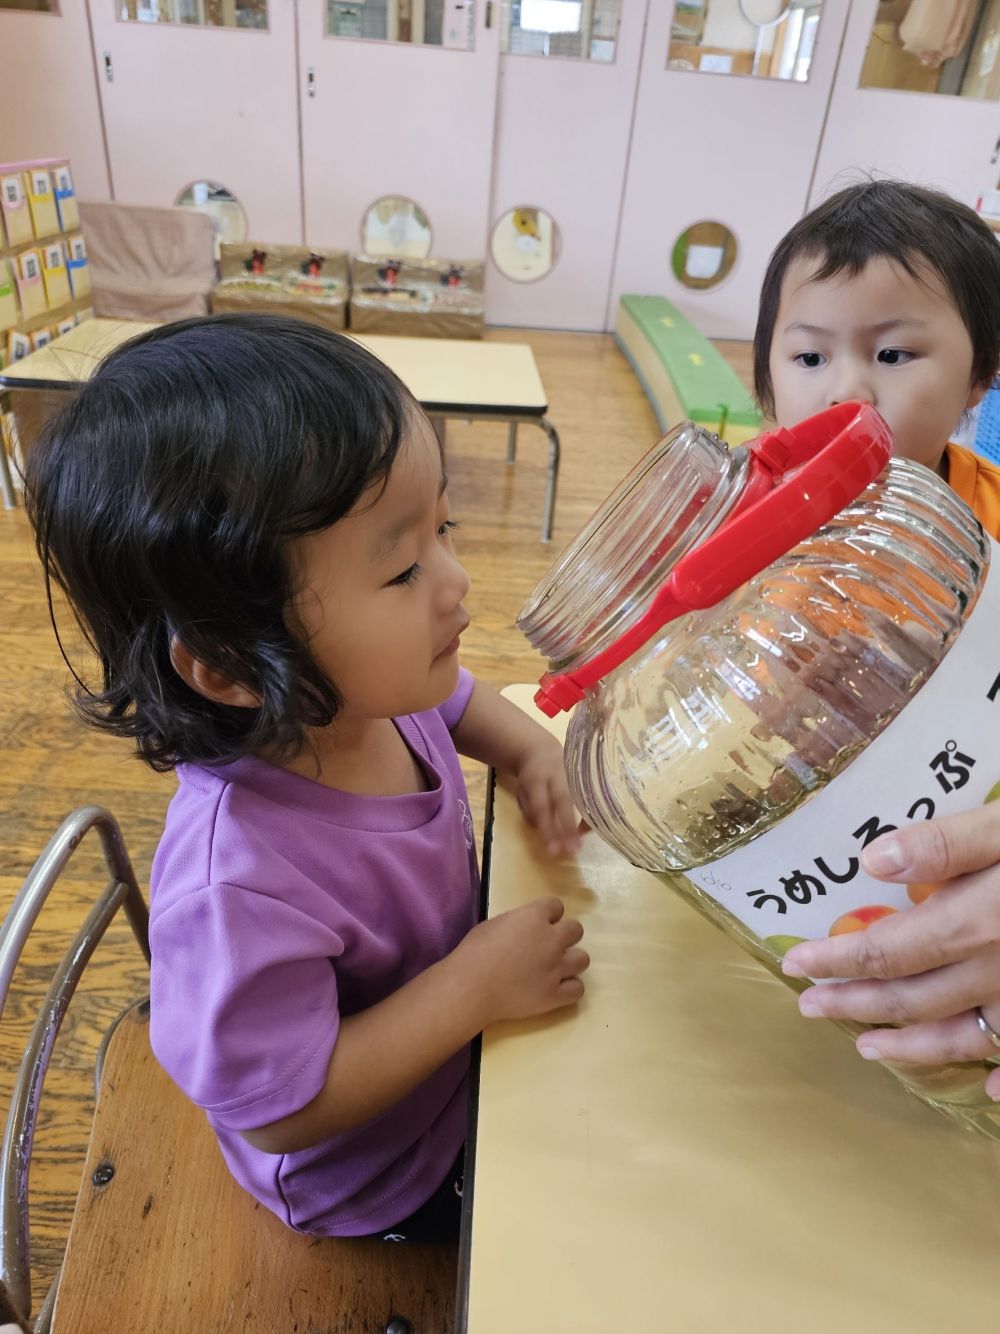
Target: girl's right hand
522, 963
525, 961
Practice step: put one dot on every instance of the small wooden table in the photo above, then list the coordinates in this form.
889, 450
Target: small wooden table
460, 377
684, 1152
448, 377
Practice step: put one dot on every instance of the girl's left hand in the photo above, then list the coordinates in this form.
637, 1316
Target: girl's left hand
543, 795
926, 969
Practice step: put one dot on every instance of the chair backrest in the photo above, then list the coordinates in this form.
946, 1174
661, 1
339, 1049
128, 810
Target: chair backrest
149, 263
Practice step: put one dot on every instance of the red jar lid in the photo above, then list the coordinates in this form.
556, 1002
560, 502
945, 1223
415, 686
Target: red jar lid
800, 478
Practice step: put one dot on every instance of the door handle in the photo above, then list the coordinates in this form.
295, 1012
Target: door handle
310, 82
996, 152
489, 13
109, 69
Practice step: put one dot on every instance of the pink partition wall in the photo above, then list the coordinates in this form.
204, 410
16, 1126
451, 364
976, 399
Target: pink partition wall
188, 103
48, 96
562, 144
947, 141
385, 118
722, 148
596, 145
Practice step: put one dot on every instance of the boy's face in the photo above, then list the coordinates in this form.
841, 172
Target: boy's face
880, 336
380, 591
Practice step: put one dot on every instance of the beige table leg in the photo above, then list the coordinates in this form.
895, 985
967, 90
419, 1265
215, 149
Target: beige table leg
6, 480
552, 475
552, 478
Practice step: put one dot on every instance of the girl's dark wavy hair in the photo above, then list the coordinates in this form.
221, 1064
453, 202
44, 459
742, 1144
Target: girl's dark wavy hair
164, 498
915, 227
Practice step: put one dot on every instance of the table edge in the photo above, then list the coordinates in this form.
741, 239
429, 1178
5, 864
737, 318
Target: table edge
475, 1066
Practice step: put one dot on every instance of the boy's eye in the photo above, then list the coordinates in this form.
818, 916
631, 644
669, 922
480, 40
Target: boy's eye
894, 356
448, 526
409, 575
811, 360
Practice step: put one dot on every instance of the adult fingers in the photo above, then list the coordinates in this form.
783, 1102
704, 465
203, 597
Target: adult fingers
958, 1038
937, 994
954, 923
937, 849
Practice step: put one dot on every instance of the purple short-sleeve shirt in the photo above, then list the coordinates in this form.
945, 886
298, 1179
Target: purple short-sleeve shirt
277, 905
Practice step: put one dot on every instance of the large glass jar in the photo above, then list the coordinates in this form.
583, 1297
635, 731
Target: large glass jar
742, 626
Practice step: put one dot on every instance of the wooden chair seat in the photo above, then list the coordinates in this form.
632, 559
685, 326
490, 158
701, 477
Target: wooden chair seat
164, 1240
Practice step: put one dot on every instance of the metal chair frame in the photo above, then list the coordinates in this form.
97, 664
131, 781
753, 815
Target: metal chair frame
122, 891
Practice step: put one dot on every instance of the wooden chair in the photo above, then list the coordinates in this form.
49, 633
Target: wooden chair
163, 1240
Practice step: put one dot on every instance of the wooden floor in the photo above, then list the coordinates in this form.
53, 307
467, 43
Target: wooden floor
51, 764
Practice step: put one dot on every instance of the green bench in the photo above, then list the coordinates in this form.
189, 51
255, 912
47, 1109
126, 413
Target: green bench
684, 376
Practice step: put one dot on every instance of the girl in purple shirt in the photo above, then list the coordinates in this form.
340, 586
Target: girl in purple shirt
250, 518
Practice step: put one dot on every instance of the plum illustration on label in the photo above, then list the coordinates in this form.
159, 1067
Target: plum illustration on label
859, 919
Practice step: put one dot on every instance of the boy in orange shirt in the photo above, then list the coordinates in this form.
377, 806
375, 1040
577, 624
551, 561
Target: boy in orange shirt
890, 293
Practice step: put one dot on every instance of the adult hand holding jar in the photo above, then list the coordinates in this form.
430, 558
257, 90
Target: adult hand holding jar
933, 971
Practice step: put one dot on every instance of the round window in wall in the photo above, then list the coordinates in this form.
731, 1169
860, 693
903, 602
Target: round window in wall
525, 244
222, 207
395, 225
703, 255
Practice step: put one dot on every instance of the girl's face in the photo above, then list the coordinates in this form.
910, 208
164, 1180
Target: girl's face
380, 591
880, 336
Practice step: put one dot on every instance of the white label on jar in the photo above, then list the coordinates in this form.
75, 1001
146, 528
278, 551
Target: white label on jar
941, 754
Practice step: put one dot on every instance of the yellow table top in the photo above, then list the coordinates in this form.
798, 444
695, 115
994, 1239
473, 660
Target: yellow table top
442, 373
463, 372
685, 1152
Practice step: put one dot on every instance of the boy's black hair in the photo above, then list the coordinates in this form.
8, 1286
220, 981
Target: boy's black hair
164, 497
913, 226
